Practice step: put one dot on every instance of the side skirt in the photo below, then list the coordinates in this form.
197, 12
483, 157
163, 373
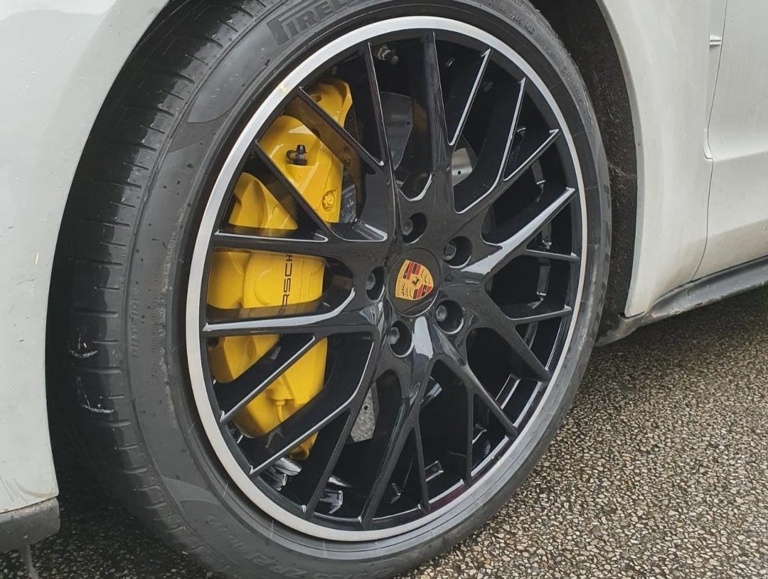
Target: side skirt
702, 292
26, 526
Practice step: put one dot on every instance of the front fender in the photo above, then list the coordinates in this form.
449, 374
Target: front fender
664, 48
58, 60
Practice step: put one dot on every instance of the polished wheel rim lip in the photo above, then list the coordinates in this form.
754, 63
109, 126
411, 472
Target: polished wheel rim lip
209, 221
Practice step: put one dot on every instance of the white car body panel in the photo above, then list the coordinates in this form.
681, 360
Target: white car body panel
738, 139
59, 59
666, 59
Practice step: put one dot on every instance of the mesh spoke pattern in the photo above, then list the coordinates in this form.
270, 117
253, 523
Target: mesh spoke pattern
445, 152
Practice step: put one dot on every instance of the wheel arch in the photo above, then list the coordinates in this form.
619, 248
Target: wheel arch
585, 29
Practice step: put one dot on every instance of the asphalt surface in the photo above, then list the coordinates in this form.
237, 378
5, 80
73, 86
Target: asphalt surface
660, 470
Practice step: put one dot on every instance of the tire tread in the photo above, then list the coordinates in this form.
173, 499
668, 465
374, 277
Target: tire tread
109, 190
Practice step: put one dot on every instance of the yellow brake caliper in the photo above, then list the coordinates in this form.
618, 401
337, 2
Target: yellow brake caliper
252, 279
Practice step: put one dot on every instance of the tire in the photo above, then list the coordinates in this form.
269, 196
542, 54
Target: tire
129, 237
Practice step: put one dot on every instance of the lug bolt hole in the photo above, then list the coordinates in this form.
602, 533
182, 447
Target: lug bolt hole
457, 251
449, 316
413, 227
374, 284
399, 338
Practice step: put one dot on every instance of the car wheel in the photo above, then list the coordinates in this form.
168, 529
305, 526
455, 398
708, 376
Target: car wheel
336, 270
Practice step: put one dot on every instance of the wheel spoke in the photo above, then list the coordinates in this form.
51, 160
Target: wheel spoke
552, 255
332, 134
382, 198
478, 209
474, 386
327, 450
490, 316
486, 184
522, 230
535, 312
346, 243
421, 468
326, 320
507, 391
277, 241
376, 105
429, 148
288, 196
388, 449
535, 144
470, 436
391, 452
321, 410
317, 471
459, 101
428, 96
234, 396
332, 401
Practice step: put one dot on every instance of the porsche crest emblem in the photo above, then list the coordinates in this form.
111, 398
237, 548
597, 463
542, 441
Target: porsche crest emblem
414, 281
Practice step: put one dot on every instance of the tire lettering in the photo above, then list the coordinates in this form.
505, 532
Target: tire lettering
303, 18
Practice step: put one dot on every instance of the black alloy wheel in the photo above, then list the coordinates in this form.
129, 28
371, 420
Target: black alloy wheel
461, 288
457, 373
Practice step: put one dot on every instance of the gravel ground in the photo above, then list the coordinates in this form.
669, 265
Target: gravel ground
660, 470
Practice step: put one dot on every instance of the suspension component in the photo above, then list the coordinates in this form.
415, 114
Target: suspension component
287, 283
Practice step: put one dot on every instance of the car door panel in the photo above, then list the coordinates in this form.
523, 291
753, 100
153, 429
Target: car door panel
738, 141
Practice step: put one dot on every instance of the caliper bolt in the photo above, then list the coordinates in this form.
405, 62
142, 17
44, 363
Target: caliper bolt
441, 313
393, 337
407, 227
329, 200
449, 251
299, 156
370, 283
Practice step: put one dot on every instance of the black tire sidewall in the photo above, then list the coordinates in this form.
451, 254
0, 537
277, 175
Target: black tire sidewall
157, 279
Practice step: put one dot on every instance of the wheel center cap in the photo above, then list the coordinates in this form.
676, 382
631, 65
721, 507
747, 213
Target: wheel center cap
412, 282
